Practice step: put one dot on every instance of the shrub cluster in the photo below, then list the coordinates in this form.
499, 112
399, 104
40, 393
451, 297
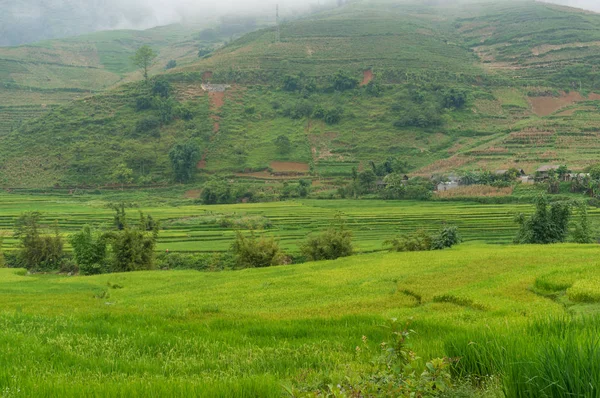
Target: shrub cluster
422, 241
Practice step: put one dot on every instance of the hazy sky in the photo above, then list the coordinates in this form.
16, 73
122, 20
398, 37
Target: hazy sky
24, 21
593, 5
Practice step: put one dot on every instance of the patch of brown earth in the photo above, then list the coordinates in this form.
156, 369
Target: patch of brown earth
202, 164
545, 48
188, 92
286, 167
206, 76
367, 77
444, 165
217, 99
545, 106
265, 175
571, 112
192, 194
594, 97
475, 191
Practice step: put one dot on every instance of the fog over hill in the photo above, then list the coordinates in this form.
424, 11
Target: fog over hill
592, 5
26, 21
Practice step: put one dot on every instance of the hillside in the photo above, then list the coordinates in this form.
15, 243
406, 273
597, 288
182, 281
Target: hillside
36, 77
526, 69
262, 332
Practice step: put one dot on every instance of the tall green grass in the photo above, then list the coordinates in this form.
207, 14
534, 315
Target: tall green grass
552, 357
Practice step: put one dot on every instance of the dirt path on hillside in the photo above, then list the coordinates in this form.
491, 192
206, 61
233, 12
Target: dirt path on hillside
367, 77
217, 100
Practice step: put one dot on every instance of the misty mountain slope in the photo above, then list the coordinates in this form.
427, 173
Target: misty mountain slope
359, 36
36, 77
418, 65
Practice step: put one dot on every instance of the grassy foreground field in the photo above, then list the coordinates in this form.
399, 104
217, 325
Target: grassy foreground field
250, 333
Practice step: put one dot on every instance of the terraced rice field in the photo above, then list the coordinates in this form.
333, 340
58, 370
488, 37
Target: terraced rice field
196, 228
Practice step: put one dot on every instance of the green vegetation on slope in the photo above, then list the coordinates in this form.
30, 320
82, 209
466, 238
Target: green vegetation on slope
513, 113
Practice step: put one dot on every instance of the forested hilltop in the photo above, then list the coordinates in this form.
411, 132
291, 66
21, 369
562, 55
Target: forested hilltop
438, 88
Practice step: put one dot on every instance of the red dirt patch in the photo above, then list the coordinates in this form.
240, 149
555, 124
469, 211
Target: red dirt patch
286, 167
544, 106
217, 99
367, 77
206, 76
201, 164
192, 194
594, 97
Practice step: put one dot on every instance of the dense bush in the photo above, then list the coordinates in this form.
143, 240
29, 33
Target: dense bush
90, 251
161, 88
342, 81
171, 64
454, 98
549, 223
298, 110
142, 103
133, 246
334, 243
147, 126
418, 115
283, 144
446, 238
195, 261
256, 252
38, 251
219, 191
184, 159
583, 231
422, 241
418, 241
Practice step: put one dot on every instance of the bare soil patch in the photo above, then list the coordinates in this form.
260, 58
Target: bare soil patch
545, 48
192, 194
544, 106
475, 191
571, 112
206, 76
444, 165
286, 167
217, 99
367, 77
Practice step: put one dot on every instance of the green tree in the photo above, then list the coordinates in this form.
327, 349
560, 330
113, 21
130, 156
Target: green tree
334, 243
133, 247
38, 250
2, 259
184, 159
122, 175
283, 144
342, 82
562, 172
171, 64
595, 172
549, 223
165, 108
90, 252
162, 88
217, 191
144, 58
583, 232
256, 252
394, 186
367, 180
